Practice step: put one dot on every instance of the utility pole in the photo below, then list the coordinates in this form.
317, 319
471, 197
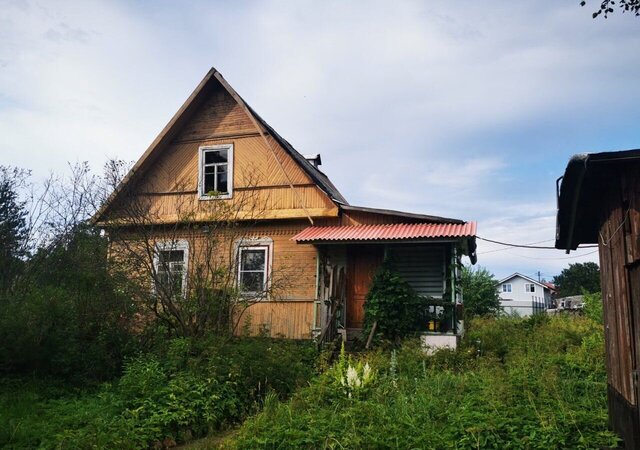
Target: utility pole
538, 276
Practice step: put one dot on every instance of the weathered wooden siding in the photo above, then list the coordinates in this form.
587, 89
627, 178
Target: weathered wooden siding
169, 183
289, 312
619, 246
292, 320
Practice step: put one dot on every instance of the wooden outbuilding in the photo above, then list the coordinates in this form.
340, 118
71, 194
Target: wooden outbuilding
285, 216
599, 202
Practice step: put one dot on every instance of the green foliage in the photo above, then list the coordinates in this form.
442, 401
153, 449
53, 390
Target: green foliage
13, 225
534, 384
174, 395
593, 307
67, 315
394, 305
577, 279
479, 292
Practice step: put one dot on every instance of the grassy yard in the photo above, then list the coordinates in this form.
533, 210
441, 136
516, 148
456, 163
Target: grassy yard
537, 383
515, 384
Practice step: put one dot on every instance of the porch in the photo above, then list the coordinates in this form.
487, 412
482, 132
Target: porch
427, 256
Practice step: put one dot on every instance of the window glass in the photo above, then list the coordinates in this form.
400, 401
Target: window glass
215, 156
214, 171
253, 269
170, 271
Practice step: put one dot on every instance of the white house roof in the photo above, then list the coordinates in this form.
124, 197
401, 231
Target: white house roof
514, 275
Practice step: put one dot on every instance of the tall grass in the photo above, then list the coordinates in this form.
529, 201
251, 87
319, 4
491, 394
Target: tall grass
514, 384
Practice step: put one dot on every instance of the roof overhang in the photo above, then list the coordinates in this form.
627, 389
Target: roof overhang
464, 232
580, 195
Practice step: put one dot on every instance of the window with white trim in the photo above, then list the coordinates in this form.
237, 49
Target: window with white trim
529, 287
253, 269
170, 262
254, 262
215, 172
506, 287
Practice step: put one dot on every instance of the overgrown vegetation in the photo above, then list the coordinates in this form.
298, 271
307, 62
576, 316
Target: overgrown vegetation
578, 279
481, 297
537, 383
192, 388
393, 305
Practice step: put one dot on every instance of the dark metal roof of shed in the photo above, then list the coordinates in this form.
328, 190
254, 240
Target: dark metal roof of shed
580, 196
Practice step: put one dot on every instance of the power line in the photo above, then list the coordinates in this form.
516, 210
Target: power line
508, 244
509, 248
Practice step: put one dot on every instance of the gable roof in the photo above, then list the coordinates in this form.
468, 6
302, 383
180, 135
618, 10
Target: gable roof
197, 97
517, 274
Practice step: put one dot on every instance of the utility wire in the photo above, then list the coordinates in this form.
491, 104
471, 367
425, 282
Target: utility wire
509, 248
507, 244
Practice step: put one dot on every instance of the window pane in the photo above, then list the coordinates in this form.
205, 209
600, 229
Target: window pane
252, 260
222, 181
215, 156
251, 281
167, 256
209, 183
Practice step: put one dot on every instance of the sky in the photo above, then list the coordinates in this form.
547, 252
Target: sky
461, 109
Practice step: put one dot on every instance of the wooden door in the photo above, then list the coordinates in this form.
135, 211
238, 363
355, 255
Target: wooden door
362, 263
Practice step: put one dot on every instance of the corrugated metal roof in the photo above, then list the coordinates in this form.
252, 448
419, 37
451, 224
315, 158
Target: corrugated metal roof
399, 231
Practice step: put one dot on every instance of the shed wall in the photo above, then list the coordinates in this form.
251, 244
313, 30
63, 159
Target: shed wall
619, 245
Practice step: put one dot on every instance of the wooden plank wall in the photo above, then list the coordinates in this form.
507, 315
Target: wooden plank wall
278, 319
169, 181
616, 300
619, 245
290, 312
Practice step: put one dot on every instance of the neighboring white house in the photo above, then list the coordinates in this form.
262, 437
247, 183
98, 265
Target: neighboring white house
522, 295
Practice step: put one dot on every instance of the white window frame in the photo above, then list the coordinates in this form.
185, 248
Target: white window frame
175, 245
505, 285
201, 151
256, 244
526, 285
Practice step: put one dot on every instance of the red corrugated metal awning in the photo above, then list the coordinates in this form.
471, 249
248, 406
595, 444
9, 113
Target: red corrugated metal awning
387, 232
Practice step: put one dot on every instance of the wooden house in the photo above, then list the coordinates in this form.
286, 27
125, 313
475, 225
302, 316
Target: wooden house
217, 150
599, 202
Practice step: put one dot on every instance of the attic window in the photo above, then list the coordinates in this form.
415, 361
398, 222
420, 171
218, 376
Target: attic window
529, 287
215, 172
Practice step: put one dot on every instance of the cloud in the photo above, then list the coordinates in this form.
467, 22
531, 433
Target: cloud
467, 110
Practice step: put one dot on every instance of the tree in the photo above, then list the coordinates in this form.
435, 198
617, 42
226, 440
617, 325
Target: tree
479, 292
13, 223
185, 271
578, 279
607, 7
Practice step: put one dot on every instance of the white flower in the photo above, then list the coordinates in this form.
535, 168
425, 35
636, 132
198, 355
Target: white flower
353, 381
366, 373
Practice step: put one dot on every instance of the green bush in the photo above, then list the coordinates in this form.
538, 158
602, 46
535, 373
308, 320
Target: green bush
394, 305
67, 315
187, 389
512, 384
